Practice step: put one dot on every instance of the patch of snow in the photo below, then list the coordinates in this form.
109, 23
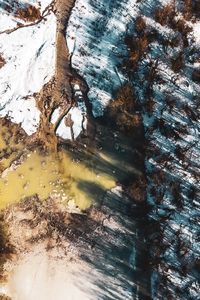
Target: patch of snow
76, 114
64, 131
196, 31
29, 53
79, 123
7, 21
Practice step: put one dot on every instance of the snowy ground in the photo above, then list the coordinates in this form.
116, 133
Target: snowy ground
172, 130
29, 54
95, 36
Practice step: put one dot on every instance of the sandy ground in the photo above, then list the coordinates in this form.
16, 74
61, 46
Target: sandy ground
69, 256
39, 276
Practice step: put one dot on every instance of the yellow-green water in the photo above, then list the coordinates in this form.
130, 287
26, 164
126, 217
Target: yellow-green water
50, 175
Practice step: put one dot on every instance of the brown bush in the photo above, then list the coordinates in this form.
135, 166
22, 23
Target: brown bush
180, 26
140, 25
138, 50
163, 15
196, 8
196, 75
172, 42
29, 13
187, 9
128, 122
137, 190
2, 61
149, 105
124, 101
121, 111
136, 46
177, 63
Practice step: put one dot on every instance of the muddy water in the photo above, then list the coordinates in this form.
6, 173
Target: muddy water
48, 175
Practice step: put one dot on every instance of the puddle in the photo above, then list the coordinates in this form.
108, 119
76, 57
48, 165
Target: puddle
57, 175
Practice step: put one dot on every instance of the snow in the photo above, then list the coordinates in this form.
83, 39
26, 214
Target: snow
77, 114
95, 37
196, 31
79, 122
29, 53
6, 21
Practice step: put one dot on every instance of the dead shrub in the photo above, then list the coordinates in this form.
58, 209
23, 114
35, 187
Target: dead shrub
170, 42
196, 8
170, 102
149, 105
140, 45
29, 13
187, 9
176, 194
196, 75
166, 16
127, 123
192, 193
163, 15
191, 9
6, 249
121, 111
2, 61
140, 25
158, 177
137, 47
137, 190
124, 101
177, 63
181, 26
